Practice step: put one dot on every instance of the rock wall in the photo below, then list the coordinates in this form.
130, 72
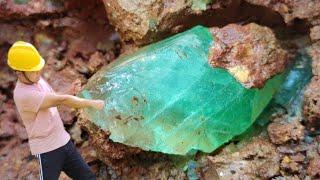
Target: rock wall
75, 43
76, 39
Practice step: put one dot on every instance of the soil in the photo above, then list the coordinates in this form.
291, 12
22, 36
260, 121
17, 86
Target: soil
77, 38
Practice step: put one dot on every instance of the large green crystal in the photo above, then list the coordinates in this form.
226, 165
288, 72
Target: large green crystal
167, 98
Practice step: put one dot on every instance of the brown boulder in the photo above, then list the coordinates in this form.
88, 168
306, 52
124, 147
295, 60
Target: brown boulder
282, 132
295, 11
311, 107
145, 21
250, 52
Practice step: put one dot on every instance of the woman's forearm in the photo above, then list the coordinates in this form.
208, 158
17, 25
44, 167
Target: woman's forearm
76, 102
53, 100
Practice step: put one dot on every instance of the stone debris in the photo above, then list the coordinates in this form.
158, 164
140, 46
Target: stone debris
254, 160
314, 167
283, 132
127, 161
17, 163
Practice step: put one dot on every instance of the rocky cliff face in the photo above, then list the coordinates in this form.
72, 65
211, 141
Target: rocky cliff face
75, 43
76, 39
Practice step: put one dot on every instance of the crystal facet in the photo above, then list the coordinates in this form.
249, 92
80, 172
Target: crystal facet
167, 98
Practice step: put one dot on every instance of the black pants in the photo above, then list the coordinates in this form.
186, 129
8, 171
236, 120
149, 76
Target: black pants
67, 159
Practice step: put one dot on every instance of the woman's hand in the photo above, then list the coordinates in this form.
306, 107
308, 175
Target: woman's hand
97, 104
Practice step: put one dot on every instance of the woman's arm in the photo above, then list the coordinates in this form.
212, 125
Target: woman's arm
52, 100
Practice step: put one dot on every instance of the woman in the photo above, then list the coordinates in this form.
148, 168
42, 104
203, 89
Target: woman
37, 105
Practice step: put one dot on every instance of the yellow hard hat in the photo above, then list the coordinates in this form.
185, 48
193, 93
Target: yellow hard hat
23, 56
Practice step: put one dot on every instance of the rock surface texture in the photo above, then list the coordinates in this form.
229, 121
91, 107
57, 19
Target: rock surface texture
307, 11
145, 21
312, 93
76, 39
63, 33
28, 8
312, 104
251, 53
257, 159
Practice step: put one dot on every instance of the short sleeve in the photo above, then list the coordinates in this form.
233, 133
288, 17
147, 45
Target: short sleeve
29, 101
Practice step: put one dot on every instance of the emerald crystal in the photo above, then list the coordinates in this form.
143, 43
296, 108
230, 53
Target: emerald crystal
167, 98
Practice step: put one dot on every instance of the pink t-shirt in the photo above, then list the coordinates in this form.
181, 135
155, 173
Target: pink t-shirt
44, 127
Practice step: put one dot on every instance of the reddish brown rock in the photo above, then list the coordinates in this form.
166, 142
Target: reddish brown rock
303, 12
254, 160
145, 21
88, 152
79, 43
292, 9
7, 79
290, 165
18, 164
22, 8
58, 37
129, 162
315, 33
106, 149
311, 107
299, 157
6, 145
6, 128
20, 130
282, 132
250, 52
67, 114
13, 32
314, 167
314, 52
2, 99
97, 60
9, 124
